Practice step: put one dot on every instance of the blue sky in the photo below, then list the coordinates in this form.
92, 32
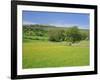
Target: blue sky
59, 19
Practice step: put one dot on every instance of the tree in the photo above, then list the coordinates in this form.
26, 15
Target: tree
84, 35
73, 34
56, 35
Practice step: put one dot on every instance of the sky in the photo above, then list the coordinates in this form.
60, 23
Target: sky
59, 19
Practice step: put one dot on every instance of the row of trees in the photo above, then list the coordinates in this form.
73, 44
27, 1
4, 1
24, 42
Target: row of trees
72, 34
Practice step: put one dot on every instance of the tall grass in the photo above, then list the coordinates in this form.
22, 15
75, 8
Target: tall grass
39, 54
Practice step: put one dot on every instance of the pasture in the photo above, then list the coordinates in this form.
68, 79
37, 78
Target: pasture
44, 54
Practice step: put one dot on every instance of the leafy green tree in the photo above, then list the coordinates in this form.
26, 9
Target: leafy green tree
85, 35
56, 35
73, 34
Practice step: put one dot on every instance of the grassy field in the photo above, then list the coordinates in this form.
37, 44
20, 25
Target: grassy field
40, 54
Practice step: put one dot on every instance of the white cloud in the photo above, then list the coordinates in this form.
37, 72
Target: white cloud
28, 23
70, 25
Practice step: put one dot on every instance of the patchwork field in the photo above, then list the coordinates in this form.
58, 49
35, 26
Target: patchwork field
40, 54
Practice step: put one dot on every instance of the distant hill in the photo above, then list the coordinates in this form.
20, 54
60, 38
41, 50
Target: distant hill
43, 32
47, 27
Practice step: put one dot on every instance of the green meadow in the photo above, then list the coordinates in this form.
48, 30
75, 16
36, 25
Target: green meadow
50, 46
40, 54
